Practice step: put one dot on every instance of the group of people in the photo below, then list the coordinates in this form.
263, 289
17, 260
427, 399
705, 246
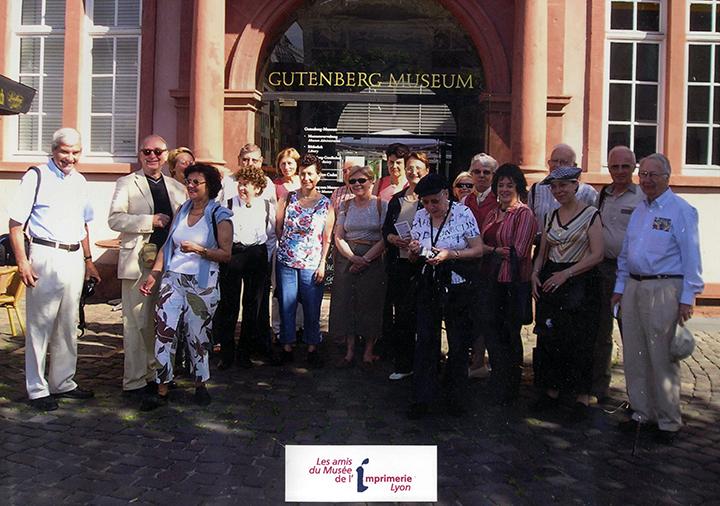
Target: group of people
409, 252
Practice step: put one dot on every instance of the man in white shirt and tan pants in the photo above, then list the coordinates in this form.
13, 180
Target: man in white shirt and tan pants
59, 261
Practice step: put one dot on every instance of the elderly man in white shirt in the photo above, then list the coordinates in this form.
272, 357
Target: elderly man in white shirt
659, 275
56, 209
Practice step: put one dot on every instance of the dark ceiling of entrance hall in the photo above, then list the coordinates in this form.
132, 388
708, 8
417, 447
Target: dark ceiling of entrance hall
386, 36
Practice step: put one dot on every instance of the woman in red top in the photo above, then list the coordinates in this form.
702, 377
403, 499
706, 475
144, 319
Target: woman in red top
507, 233
289, 181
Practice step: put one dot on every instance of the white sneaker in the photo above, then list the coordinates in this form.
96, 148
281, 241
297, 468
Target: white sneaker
479, 373
399, 375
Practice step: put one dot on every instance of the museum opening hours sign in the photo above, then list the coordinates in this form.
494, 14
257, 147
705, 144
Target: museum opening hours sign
322, 142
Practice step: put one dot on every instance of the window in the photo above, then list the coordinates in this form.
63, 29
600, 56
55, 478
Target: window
115, 76
634, 49
702, 136
41, 44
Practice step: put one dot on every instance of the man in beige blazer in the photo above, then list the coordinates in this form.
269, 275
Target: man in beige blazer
142, 209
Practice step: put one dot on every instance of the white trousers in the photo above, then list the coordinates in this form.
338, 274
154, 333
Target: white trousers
138, 333
649, 316
52, 313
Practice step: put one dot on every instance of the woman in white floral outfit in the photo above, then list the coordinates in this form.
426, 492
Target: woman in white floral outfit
200, 237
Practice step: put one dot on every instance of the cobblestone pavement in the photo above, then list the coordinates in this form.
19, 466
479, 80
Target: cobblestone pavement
107, 452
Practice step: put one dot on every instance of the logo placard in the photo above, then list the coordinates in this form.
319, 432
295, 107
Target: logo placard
360, 473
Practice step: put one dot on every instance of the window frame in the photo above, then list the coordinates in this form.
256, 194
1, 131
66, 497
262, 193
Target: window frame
700, 38
634, 37
11, 132
10, 124
92, 32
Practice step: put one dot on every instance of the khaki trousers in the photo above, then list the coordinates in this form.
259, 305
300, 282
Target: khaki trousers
649, 317
52, 313
138, 333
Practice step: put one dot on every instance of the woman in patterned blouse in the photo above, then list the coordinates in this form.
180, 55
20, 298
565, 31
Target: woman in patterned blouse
564, 282
304, 224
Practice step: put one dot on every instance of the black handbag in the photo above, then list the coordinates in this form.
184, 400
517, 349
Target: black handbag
520, 292
7, 255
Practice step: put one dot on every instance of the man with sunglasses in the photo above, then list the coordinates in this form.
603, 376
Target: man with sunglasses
482, 169
142, 209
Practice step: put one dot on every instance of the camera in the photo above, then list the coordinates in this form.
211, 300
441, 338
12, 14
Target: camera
428, 253
88, 289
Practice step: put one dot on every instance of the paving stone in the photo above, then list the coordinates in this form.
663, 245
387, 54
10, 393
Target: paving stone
106, 452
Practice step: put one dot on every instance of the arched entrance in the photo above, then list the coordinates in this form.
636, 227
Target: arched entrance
450, 47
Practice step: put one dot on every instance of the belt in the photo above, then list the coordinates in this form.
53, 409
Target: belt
238, 246
362, 241
56, 245
637, 277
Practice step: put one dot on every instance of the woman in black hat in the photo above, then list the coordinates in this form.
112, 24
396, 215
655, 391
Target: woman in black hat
447, 240
564, 281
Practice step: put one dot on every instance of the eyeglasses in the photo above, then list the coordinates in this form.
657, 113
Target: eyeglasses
485, 172
652, 175
194, 182
467, 186
157, 151
426, 202
360, 180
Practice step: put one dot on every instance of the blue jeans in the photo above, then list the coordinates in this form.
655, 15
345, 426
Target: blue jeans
291, 284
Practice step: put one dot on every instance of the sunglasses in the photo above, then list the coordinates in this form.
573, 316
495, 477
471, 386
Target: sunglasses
360, 180
194, 182
427, 202
467, 186
157, 151
483, 172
